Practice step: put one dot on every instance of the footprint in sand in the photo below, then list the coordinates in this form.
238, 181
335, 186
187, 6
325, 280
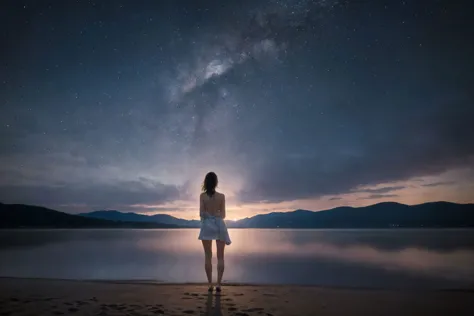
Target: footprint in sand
73, 310
250, 310
188, 311
157, 311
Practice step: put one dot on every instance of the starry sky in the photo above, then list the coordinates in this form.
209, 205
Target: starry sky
294, 104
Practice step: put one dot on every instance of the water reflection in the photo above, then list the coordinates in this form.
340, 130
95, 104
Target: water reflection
213, 305
381, 258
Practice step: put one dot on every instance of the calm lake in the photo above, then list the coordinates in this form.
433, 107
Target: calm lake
402, 258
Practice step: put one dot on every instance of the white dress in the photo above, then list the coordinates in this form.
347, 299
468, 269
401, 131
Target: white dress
213, 228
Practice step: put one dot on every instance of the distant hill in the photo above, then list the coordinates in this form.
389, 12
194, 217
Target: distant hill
134, 217
27, 216
382, 215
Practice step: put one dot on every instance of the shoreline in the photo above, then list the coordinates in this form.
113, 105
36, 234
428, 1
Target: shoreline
21, 296
239, 284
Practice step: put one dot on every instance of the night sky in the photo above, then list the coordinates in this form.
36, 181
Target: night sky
294, 104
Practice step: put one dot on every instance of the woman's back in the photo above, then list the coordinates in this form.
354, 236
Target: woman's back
213, 205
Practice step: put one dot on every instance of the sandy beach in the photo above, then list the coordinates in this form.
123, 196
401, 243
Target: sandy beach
61, 297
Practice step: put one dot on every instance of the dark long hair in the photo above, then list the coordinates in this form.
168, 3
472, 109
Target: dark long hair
210, 183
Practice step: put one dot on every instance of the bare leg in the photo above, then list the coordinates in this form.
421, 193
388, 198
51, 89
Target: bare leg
220, 261
207, 244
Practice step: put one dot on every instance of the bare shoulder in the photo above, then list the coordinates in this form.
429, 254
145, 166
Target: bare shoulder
221, 195
202, 195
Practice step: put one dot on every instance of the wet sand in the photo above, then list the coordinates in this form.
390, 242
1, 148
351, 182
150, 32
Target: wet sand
61, 297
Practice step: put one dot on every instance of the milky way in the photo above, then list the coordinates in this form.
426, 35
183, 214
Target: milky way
127, 106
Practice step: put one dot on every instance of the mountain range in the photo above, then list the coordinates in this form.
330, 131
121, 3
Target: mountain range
381, 215
140, 218
28, 216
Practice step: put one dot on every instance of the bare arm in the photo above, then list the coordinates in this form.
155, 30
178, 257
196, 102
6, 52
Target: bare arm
201, 207
223, 207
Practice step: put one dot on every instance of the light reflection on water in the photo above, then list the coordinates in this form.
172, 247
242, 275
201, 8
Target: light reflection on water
368, 258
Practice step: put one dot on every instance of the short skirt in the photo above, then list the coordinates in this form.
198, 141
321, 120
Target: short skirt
214, 228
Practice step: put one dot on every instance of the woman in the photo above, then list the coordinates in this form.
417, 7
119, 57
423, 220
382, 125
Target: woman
212, 213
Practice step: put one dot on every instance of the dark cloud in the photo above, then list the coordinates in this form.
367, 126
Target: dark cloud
380, 190
335, 198
120, 195
428, 144
438, 184
378, 196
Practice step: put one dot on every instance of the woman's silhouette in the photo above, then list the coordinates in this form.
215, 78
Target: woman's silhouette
212, 212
